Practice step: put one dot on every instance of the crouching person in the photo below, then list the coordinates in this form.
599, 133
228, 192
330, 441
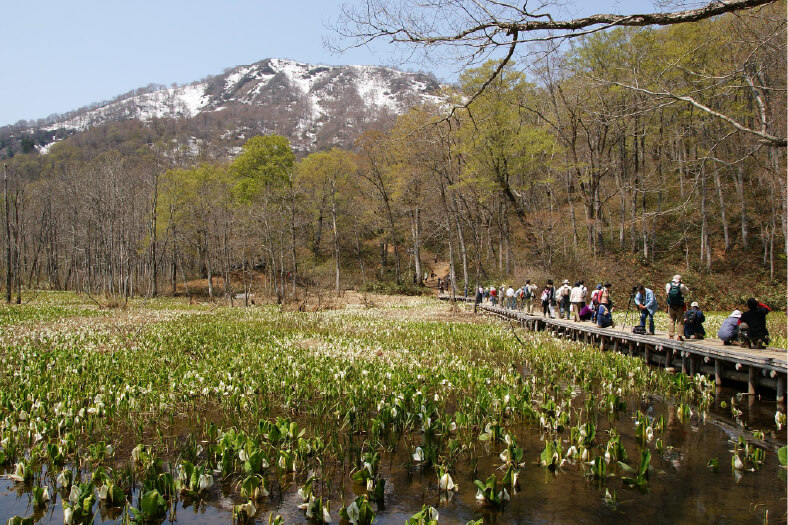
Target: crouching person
729, 329
604, 316
693, 322
752, 329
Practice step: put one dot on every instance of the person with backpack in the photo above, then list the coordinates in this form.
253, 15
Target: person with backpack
752, 328
493, 295
675, 292
729, 329
693, 322
646, 302
604, 316
529, 294
564, 296
548, 299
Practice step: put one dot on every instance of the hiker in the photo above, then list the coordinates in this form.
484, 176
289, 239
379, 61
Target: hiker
493, 295
440, 285
577, 299
604, 316
548, 298
675, 291
595, 301
693, 322
729, 329
604, 296
752, 328
646, 302
486, 294
479, 295
510, 300
586, 313
529, 294
564, 293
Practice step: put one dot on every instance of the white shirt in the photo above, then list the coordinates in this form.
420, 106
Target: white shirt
510, 292
576, 295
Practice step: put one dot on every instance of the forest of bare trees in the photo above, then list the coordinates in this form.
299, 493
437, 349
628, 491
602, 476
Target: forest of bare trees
659, 146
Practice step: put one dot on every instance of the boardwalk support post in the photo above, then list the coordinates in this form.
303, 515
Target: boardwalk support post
717, 372
753, 381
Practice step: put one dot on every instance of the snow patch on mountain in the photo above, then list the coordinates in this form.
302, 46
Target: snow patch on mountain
311, 95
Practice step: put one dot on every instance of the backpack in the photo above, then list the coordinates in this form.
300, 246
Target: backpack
675, 297
690, 317
545, 295
639, 330
595, 297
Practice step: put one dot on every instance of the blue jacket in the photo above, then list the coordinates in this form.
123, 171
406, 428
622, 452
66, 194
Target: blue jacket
650, 301
696, 327
603, 317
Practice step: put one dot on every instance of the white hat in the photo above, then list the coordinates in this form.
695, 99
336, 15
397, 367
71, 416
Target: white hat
736, 314
677, 278
694, 304
566, 281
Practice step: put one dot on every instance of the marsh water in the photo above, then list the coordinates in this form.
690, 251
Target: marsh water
681, 489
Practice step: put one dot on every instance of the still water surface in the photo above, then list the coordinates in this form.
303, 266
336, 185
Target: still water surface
682, 489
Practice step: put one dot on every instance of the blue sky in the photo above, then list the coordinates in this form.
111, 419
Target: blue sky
60, 56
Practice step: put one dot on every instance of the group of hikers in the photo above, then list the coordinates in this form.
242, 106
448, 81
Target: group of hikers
567, 301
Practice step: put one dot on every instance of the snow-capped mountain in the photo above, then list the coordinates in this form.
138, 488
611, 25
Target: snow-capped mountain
314, 106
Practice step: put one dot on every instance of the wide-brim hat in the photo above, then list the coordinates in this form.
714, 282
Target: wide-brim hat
694, 304
736, 314
566, 281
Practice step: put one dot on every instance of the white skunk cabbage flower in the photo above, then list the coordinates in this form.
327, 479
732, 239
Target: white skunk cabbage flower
73, 496
446, 483
418, 455
206, 481
353, 513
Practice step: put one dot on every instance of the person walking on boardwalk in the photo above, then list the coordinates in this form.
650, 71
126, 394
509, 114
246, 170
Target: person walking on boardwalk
577, 298
675, 292
529, 291
493, 295
646, 302
548, 297
752, 329
511, 301
729, 329
564, 293
693, 322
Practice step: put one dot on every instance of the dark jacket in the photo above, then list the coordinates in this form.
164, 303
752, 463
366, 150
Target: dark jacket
756, 320
693, 322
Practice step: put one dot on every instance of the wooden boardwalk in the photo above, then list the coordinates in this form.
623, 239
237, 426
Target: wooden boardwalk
754, 368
